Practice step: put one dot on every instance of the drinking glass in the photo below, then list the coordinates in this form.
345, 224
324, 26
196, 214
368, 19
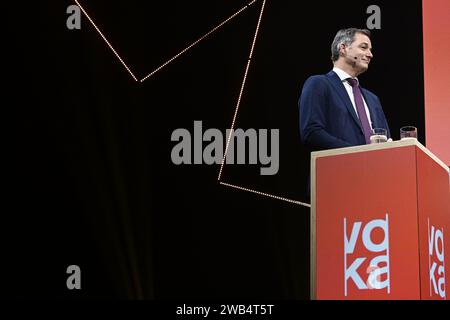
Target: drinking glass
408, 132
378, 135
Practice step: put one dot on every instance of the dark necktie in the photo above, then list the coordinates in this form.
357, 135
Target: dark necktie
359, 102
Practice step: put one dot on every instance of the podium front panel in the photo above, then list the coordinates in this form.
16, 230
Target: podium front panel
366, 235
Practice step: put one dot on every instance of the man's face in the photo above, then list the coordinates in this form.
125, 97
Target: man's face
359, 53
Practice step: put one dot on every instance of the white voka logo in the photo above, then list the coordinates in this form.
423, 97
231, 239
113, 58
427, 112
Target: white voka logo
374, 270
436, 260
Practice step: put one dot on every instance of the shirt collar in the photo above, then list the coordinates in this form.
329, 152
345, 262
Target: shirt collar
342, 74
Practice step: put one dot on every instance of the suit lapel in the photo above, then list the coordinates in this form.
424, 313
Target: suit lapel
342, 93
370, 107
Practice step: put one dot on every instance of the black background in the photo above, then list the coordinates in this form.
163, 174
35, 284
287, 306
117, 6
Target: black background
88, 174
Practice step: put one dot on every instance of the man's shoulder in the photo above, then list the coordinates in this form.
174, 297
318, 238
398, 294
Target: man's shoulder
318, 79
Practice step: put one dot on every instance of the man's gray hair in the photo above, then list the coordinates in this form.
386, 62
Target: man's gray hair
345, 36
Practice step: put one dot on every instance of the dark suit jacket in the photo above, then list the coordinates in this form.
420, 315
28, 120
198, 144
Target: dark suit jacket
327, 117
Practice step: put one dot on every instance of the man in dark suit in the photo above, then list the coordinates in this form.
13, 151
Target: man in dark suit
335, 111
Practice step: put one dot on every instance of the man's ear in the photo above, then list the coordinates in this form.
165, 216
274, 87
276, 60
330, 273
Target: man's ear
342, 47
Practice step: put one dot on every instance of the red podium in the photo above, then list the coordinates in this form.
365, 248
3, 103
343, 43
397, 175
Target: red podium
380, 223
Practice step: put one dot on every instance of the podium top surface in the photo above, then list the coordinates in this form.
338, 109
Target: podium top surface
378, 146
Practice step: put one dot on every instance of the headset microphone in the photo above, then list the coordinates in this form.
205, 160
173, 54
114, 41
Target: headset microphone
355, 59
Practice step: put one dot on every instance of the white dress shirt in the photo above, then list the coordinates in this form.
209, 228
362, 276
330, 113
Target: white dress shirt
343, 76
